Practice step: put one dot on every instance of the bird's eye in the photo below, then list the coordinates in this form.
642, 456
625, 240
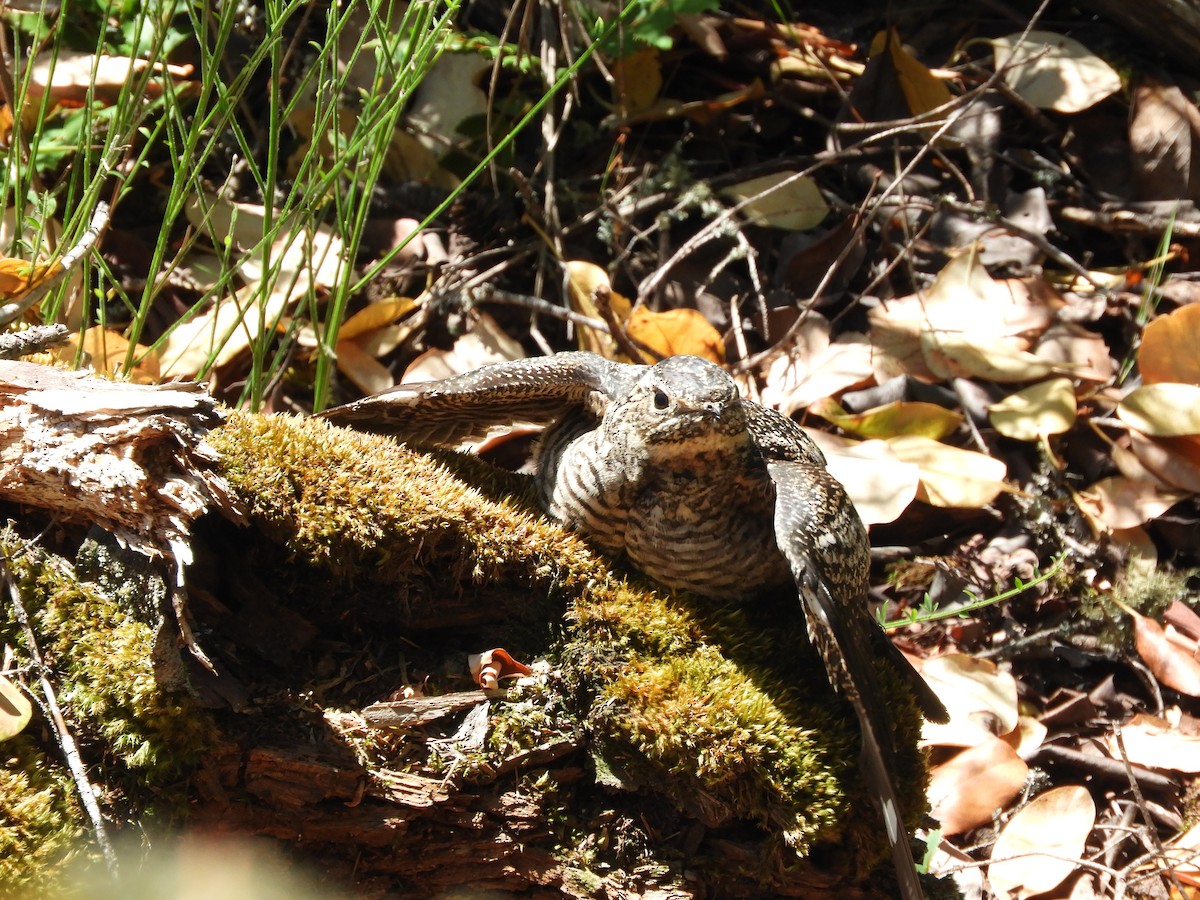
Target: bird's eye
661, 400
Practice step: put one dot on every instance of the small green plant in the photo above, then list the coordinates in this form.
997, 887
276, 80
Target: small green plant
927, 611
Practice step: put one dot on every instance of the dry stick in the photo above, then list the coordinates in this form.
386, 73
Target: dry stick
31, 340
1038, 240
602, 297
50, 708
488, 294
68, 261
1144, 810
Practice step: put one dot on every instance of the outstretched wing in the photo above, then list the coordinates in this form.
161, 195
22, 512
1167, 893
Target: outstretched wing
825, 545
467, 407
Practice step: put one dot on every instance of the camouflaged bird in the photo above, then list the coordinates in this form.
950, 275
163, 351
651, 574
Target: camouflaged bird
702, 490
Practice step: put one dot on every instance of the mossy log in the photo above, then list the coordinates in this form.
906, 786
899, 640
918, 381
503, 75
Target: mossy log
664, 746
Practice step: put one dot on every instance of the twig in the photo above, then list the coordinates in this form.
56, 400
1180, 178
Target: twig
32, 340
1136, 789
486, 293
10, 311
602, 297
52, 712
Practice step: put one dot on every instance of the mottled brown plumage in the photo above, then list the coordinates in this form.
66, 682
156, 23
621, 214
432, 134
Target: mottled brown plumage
701, 489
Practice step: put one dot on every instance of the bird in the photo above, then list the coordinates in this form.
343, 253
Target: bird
701, 489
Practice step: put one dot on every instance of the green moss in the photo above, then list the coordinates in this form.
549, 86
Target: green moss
137, 740
101, 657
40, 822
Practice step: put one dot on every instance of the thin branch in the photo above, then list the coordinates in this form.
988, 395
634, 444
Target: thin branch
50, 709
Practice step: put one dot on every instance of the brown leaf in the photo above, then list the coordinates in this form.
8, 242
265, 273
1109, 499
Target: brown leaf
1156, 743
1163, 128
1120, 502
1056, 823
965, 792
1171, 664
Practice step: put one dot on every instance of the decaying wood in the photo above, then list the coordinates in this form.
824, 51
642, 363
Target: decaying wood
127, 457
417, 711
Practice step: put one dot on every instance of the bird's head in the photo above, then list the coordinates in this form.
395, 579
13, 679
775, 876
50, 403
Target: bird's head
684, 405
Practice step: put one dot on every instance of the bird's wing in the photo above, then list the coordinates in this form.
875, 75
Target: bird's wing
827, 552
467, 407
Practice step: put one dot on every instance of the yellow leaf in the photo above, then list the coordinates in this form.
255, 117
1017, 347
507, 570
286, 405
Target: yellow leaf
1162, 409
638, 81
951, 477
676, 331
15, 709
375, 316
892, 419
1037, 411
108, 349
583, 278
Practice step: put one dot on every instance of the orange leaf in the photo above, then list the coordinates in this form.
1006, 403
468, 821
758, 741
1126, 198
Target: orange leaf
676, 331
1168, 351
19, 276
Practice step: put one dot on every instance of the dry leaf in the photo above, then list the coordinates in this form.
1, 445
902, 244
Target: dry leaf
1172, 665
583, 278
1038, 411
963, 307
880, 485
814, 368
484, 344
375, 316
18, 276
1163, 125
676, 331
15, 709
67, 76
363, 369
1154, 742
923, 91
1168, 349
1069, 347
1053, 71
106, 351
1120, 502
786, 200
892, 419
1057, 822
1027, 738
1174, 461
638, 81
981, 700
975, 355
951, 477
966, 791
221, 332
1162, 409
